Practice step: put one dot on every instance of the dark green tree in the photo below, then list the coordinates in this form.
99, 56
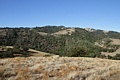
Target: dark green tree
77, 52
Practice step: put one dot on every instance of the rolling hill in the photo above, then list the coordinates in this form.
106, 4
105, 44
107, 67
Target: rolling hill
63, 41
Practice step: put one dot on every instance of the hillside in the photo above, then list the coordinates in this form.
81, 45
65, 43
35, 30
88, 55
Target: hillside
63, 41
57, 68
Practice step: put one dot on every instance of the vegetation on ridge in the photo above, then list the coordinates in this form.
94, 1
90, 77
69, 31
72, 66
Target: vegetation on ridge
79, 43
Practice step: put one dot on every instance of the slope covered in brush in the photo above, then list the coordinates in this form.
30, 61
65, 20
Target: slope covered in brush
75, 43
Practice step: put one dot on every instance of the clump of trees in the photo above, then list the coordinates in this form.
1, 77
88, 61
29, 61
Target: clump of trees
116, 57
77, 52
9, 52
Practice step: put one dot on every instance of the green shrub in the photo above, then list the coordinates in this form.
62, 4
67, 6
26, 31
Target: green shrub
6, 55
77, 52
116, 57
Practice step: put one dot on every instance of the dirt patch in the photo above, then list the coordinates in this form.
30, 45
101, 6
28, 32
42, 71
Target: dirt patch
43, 33
36, 53
64, 32
90, 29
115, 41
2, 69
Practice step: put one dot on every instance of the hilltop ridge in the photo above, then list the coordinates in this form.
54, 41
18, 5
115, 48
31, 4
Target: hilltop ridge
63, 41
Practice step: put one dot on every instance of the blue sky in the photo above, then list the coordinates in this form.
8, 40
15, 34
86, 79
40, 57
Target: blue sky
98, 14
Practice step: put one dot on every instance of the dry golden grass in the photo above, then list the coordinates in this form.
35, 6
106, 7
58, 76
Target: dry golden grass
55, 68
2, 69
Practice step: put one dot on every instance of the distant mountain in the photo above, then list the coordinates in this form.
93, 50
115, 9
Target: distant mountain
62, 40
